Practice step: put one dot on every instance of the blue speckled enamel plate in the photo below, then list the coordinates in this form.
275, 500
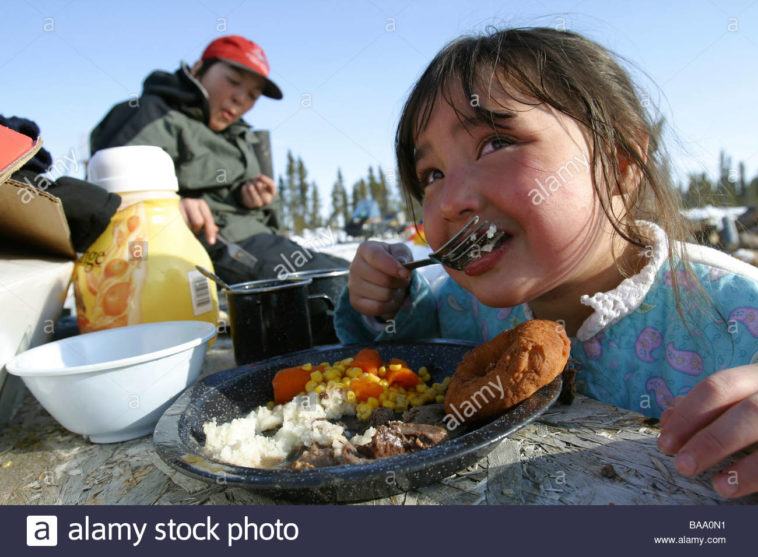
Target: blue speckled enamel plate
233, 393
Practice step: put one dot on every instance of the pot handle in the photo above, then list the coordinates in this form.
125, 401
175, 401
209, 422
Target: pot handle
324, 297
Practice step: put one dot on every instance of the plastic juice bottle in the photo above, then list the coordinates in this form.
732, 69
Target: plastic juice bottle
142, 268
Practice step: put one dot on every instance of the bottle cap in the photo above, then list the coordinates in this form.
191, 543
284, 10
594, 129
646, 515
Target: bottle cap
132, 168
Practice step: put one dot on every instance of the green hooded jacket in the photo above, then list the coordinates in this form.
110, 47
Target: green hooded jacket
173, 113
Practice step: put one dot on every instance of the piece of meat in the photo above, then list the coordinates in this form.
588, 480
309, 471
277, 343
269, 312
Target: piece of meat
350, 455
315, 457
381, 416
385, 442
420, 436
398, 438
432, 414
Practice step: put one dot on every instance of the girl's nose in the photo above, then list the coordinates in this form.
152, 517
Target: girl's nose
459, 196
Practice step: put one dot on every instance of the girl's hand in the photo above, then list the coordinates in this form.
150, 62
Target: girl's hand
716, 419
258, 192
378, 282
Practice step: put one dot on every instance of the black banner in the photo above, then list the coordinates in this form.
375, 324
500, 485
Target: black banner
377, 531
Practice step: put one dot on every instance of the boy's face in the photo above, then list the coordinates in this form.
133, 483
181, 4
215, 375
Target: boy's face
532, 179
231, 93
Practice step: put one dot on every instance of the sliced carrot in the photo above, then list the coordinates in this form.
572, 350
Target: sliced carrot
404, 376
364, 388
290, 382
368, 360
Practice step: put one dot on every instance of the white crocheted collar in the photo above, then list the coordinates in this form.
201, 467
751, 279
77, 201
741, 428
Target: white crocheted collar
615, 304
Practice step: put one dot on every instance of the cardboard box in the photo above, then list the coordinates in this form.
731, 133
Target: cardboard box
36, 264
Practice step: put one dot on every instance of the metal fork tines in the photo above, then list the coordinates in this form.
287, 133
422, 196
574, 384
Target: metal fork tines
463, 248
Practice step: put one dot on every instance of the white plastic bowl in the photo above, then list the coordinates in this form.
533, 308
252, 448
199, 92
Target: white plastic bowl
114, 385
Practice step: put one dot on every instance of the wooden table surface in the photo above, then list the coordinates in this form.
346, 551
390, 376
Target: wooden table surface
587, 453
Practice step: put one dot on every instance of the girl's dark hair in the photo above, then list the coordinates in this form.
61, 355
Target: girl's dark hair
577, 77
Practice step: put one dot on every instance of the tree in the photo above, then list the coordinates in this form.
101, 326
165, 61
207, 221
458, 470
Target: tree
725, 187
386, 203
699, 191
360, 191
299, 202
340, 206
314, 218
287, 193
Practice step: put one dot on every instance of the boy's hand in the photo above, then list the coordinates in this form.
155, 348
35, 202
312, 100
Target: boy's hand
258, 192
197, 215
378, 281
716, 419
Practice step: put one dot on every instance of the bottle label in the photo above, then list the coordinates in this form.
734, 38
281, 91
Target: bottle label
200, 291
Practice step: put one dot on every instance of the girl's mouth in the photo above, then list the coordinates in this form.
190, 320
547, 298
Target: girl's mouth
227, 114
491, 254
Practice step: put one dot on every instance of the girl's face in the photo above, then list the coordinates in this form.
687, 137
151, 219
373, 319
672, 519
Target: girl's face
532, 179
231, 93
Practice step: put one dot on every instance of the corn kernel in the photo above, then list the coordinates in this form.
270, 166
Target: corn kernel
317, 376
439, 398
270, 404
373, 378
350, 396
382, 371
423, 371
319, 389
347, 361
310, 386
396, 367
446, 381
384, 383
332, 374
388, 404
307, 367
373, 402
421, 387
354, 372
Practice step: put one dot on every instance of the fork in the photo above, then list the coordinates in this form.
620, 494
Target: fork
237, 252
461, 249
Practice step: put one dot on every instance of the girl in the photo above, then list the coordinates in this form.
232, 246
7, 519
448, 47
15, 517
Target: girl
541, 132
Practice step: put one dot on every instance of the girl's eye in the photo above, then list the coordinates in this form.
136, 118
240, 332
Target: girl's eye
495, 144
232, 81
428, 176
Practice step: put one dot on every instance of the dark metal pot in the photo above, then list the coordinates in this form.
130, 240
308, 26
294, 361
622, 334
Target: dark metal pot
268, 318
326, 286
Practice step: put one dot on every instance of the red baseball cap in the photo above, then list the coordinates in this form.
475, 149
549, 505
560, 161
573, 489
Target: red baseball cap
245, 54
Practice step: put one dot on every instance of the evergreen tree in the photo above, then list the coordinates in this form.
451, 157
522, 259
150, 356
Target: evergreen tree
340, 212
385, 202
314, 220
741, 186
360, 191
299, 201
374, 188
699, 191
725, 188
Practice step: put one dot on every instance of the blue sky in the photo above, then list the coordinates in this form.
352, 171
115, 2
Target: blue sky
346, 66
